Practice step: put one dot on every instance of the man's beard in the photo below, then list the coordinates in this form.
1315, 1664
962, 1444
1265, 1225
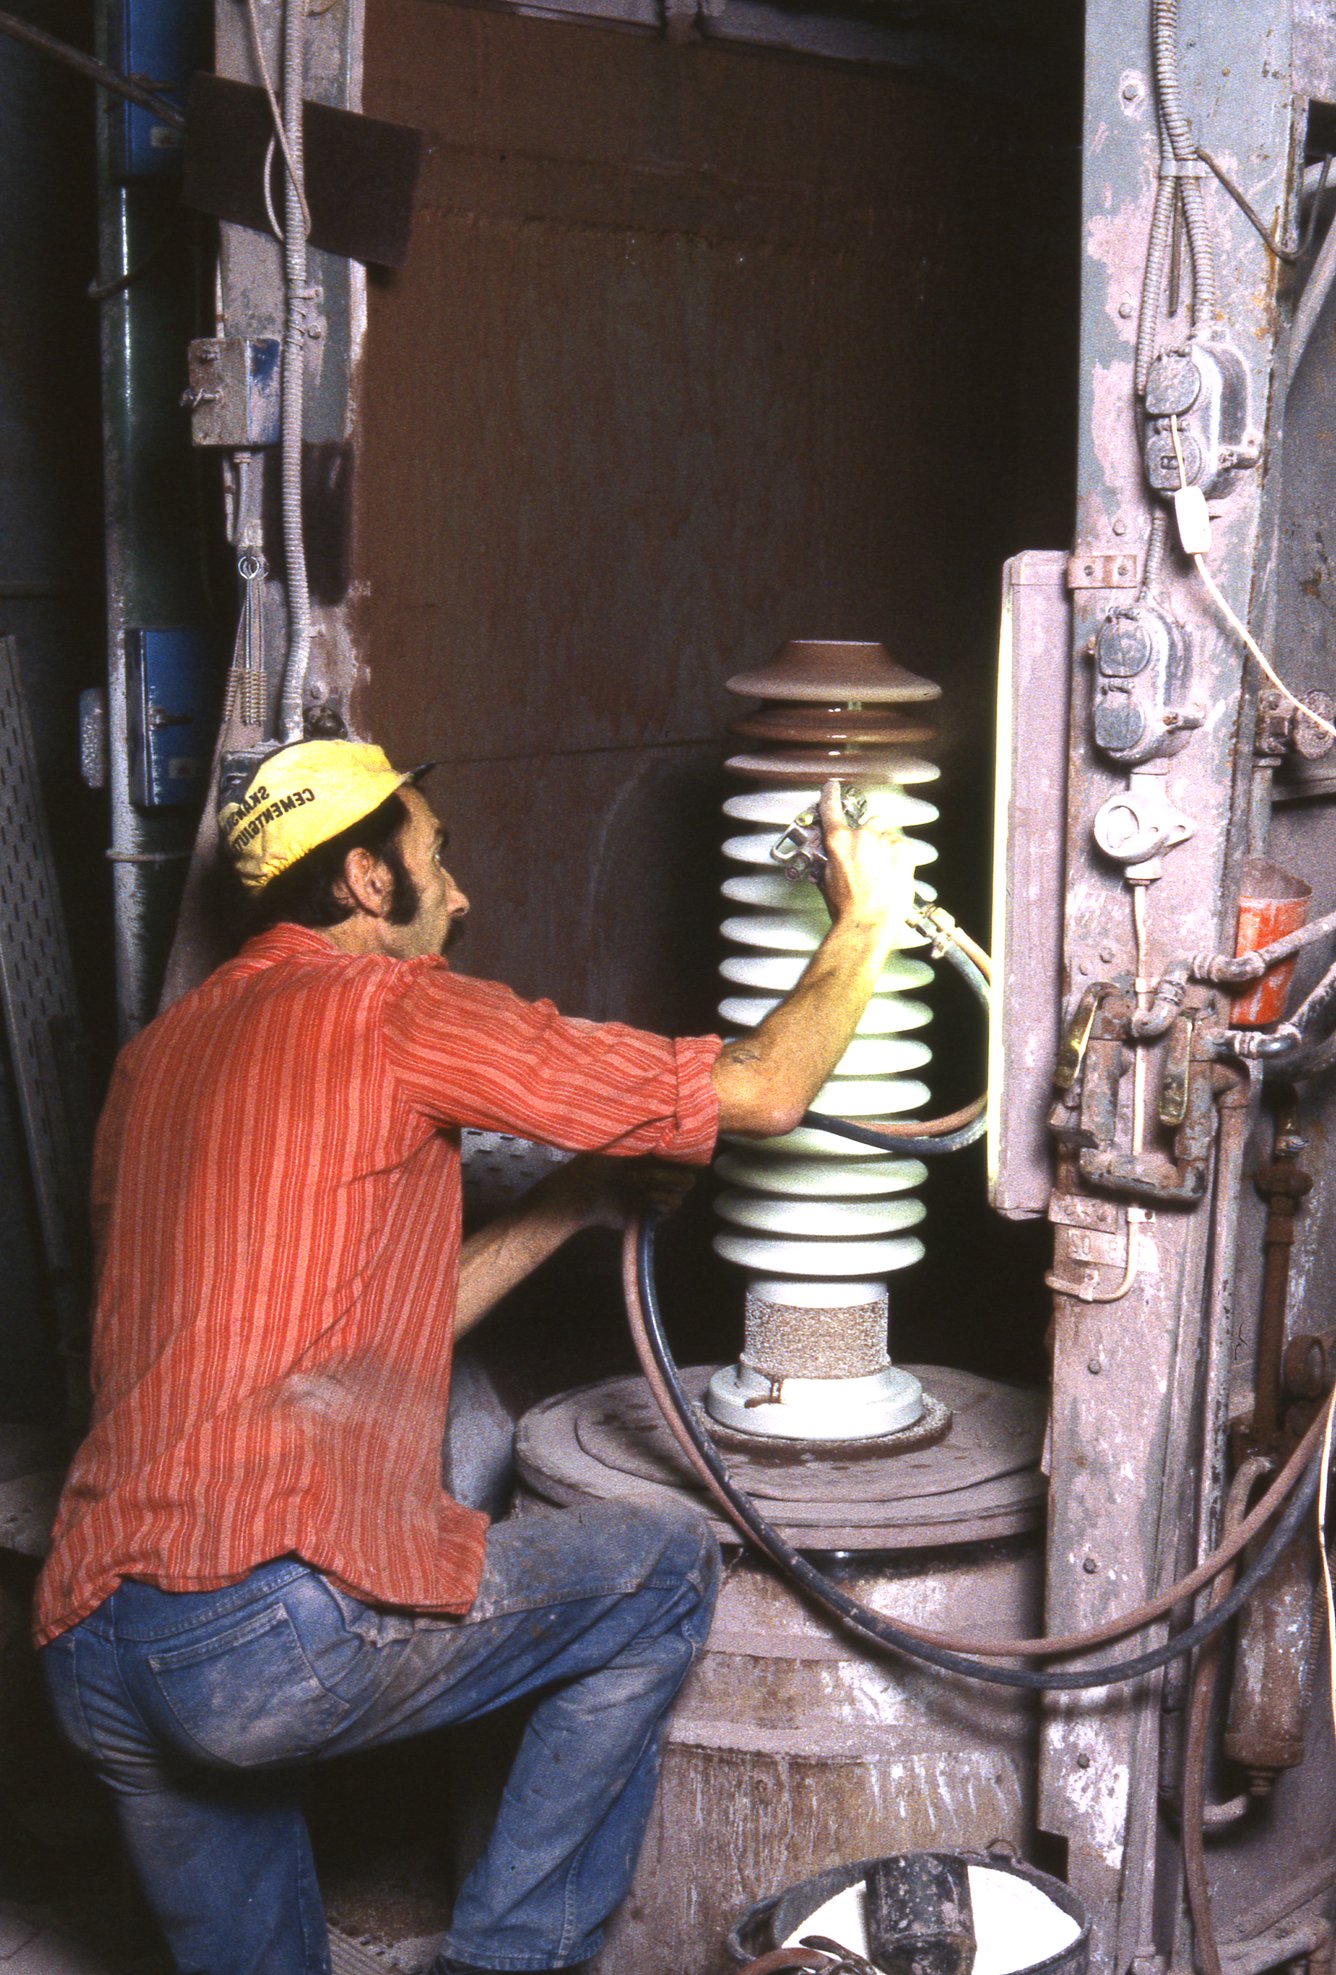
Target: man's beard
406, 903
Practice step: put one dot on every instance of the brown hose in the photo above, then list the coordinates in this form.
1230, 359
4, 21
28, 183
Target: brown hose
938, 1127
1194, 1752
954, 1120
924, 1127
1063, 1642
973, 951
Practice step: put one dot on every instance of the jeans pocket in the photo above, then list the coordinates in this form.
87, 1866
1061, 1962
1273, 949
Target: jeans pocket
62, 1685
248, 1696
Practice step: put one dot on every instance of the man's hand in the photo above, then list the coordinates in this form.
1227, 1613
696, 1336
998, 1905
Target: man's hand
767, 1079
869, 875
598, 1192
589, 1191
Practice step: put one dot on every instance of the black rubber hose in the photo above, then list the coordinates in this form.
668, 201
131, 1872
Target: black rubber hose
1310, 1061
870, 1625
928, 1147
908, 1148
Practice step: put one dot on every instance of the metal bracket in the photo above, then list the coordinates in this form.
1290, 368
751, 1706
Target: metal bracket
1104, 569
801, 850
1098, 1051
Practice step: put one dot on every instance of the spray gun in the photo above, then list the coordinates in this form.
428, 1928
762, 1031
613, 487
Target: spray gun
801, 853
801, 850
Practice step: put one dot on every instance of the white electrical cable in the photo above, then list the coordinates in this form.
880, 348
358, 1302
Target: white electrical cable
1139, 929
274, 226
1322, 1548
1086, 1292
1239, 628
280, 135
1141, 987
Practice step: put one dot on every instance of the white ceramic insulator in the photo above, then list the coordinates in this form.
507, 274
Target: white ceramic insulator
809, 1210
858, 1258
804, 1177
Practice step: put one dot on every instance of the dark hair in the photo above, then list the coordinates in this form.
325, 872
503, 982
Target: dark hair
304, 894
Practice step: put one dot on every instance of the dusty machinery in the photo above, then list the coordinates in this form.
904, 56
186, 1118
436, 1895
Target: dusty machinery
1159, 1091
791, 1735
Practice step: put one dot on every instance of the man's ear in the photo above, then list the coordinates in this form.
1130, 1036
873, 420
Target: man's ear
366, 884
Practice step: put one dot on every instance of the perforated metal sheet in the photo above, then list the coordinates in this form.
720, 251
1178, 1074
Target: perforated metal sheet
37, 985
499, 1168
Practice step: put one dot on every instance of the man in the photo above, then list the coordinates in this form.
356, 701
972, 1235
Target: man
254, 1564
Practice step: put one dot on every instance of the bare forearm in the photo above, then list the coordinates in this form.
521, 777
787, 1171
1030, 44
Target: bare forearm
500, 1255
767, 1079
585, 1192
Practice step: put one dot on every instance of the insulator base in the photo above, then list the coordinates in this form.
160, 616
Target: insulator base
814, 1408
826, 1340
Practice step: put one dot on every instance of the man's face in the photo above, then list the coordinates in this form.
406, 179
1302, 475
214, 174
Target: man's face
441, 905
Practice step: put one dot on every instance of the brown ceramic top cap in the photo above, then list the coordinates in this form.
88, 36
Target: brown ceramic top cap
815, 669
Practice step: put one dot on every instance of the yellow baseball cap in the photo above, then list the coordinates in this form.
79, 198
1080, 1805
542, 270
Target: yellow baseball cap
301, 796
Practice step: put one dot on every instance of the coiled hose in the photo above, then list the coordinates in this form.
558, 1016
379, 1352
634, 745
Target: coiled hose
1294, 1488
931, 1137
1298, 1481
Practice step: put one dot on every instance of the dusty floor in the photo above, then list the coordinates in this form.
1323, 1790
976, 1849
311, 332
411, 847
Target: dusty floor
69, 1906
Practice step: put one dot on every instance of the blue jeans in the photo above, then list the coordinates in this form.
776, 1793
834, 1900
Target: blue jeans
198, 1708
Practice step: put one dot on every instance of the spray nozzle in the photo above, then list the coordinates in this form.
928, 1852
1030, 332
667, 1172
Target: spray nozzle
801, 851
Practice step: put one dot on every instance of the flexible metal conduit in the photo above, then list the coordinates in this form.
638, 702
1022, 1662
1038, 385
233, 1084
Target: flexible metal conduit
1152, 282
1164, 36
294, 375
1310, 1061
1299, 1046
1176, 147
1298, 1481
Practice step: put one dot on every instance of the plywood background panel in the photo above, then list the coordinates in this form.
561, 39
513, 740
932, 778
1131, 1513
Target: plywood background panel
697, 349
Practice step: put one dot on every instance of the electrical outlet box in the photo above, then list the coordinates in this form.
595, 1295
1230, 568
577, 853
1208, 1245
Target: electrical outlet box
1203, 387
1142, 675
167, 679
234, 395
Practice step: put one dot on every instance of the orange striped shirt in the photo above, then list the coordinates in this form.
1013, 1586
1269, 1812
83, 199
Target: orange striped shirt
276, 1202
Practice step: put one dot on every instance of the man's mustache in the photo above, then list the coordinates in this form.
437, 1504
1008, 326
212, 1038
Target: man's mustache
454, 933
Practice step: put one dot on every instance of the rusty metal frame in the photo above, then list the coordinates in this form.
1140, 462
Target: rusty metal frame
1138, 1393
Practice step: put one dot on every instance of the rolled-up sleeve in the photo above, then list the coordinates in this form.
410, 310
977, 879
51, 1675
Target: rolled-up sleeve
468, 1052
